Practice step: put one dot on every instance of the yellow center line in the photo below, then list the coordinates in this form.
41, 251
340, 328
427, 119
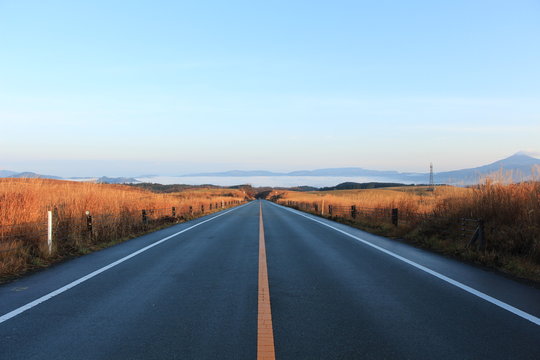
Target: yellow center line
265, 334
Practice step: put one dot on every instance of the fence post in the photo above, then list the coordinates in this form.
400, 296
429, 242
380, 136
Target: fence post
173, 211
353, 211
89, 223
202, 208
330, 210
190, 210
481, 234
395, 217
144, 217
49, 230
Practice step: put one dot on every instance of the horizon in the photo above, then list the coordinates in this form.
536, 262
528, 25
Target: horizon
284, 174
113, 89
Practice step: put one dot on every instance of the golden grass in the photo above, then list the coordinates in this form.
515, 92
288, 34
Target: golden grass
415, 198
27, 200
116, 212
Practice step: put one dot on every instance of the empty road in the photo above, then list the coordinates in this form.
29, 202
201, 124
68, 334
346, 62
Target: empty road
263, 281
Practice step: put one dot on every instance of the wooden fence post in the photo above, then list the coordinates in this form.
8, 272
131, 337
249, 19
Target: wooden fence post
478, 235
481, 234
89, 224
395, 217
330, 210
353, 211
144, 217
173, 211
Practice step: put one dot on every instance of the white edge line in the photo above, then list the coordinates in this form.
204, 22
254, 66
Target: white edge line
72, 284
468, 289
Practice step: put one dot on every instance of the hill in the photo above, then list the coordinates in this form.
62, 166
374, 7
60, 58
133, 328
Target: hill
517, 167
354, 185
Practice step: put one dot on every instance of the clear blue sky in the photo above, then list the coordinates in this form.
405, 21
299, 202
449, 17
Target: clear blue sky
171, 87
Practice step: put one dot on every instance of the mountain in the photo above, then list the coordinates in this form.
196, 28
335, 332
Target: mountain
517, 167
117, 180
520, 165
26, 174
349, 171
354, 185
238, 173
6, 173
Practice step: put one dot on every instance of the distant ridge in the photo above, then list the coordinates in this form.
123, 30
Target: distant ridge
520, 165
7, 173
26, 174
349, 171
354, 186
237, 173
117, 180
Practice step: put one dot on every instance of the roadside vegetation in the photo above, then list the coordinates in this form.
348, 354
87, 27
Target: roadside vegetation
434, 219
116, 214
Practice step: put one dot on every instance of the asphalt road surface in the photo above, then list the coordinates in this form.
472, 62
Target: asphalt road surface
197, 291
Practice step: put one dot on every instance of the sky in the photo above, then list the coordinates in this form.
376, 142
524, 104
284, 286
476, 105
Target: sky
125, 88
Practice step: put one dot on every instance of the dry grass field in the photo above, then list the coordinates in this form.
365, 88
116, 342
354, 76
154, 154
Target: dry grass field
510, 213
417, 199
116, 212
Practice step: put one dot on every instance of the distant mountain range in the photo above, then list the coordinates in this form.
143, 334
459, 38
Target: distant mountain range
101, 180
517, 167
26, 174
349, 171
117, 180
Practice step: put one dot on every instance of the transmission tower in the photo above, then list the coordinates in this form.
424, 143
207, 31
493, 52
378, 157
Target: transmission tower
431, 181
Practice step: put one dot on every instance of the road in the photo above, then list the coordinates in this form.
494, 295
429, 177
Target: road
261, 280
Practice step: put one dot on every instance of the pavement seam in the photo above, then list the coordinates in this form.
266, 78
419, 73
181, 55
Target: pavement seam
265, 334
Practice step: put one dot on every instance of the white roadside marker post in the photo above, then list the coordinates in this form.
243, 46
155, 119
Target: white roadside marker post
50, 230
